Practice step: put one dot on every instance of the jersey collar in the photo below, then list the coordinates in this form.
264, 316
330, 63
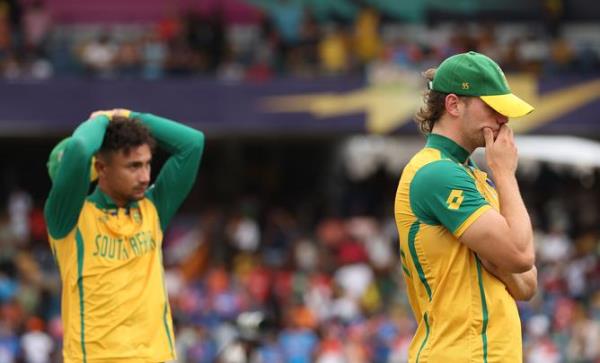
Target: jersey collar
103, 201
448, 146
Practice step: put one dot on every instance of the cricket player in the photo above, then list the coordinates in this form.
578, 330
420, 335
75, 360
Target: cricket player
108, 244
466, 241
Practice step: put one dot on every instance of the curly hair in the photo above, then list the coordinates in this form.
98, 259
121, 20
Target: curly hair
434, 107
124, 134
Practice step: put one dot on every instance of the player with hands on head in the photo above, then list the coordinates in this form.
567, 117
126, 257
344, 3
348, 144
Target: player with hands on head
466, 242
107, 244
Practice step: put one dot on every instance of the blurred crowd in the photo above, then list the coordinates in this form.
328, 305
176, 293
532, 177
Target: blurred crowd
256, 283
274, 38
259, 283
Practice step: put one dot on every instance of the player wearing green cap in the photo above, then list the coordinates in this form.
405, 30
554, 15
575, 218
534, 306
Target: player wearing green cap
108, 244
466, 243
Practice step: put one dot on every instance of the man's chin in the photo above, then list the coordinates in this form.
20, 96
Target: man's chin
137, 196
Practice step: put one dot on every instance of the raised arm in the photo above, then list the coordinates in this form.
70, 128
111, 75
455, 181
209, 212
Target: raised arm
71, 181
443, 193
178, 175
506, 238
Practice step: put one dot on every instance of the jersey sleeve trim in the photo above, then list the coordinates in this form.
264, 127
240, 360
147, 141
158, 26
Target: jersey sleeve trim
472, 218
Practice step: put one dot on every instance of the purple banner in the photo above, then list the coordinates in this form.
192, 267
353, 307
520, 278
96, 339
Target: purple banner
286, 106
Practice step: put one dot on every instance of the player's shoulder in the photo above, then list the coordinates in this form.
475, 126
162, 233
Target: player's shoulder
439, 175
441, 169
432, 162
425, 156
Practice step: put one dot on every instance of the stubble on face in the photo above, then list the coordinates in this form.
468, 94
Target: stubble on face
480, 116
123, 179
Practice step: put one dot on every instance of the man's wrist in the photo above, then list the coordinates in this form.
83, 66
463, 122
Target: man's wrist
503, 176
123, 112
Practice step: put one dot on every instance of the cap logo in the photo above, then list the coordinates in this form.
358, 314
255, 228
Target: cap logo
466, 85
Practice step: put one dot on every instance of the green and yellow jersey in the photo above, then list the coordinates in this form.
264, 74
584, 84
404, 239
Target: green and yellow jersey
114, 302
464, 313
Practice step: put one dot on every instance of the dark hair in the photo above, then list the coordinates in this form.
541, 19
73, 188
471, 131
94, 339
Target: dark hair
434, 107
123, 134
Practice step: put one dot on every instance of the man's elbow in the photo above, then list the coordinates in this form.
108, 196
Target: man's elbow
528, 292
525, 295
198, 141
520, 263
77, 145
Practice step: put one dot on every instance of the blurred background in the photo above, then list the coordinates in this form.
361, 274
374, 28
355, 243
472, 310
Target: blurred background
286, 249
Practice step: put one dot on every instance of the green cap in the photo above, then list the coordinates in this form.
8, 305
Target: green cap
56, 156
474, 74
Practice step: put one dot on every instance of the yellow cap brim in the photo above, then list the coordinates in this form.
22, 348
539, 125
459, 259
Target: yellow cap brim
508, 105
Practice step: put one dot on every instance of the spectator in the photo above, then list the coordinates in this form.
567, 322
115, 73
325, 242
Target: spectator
36, 343
333, 51
128, 59
9, 344
37, 25
153, 56
367, 38
99, 56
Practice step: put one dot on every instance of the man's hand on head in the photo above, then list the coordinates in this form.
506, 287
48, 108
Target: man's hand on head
122, 112
107, 113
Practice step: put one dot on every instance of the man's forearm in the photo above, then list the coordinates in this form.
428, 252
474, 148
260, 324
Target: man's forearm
513, 210
178, 174
71, 182
521, 286
173, 136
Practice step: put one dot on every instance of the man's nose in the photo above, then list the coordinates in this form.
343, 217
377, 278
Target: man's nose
144, 176
501, 119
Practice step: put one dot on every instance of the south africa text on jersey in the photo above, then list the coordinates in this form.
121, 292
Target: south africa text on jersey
116, 248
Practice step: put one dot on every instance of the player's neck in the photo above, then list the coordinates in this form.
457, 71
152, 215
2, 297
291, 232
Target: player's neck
119, 202
452, 133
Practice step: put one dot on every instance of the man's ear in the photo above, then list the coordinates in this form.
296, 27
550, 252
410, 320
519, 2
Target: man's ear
452, 103
101, 164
